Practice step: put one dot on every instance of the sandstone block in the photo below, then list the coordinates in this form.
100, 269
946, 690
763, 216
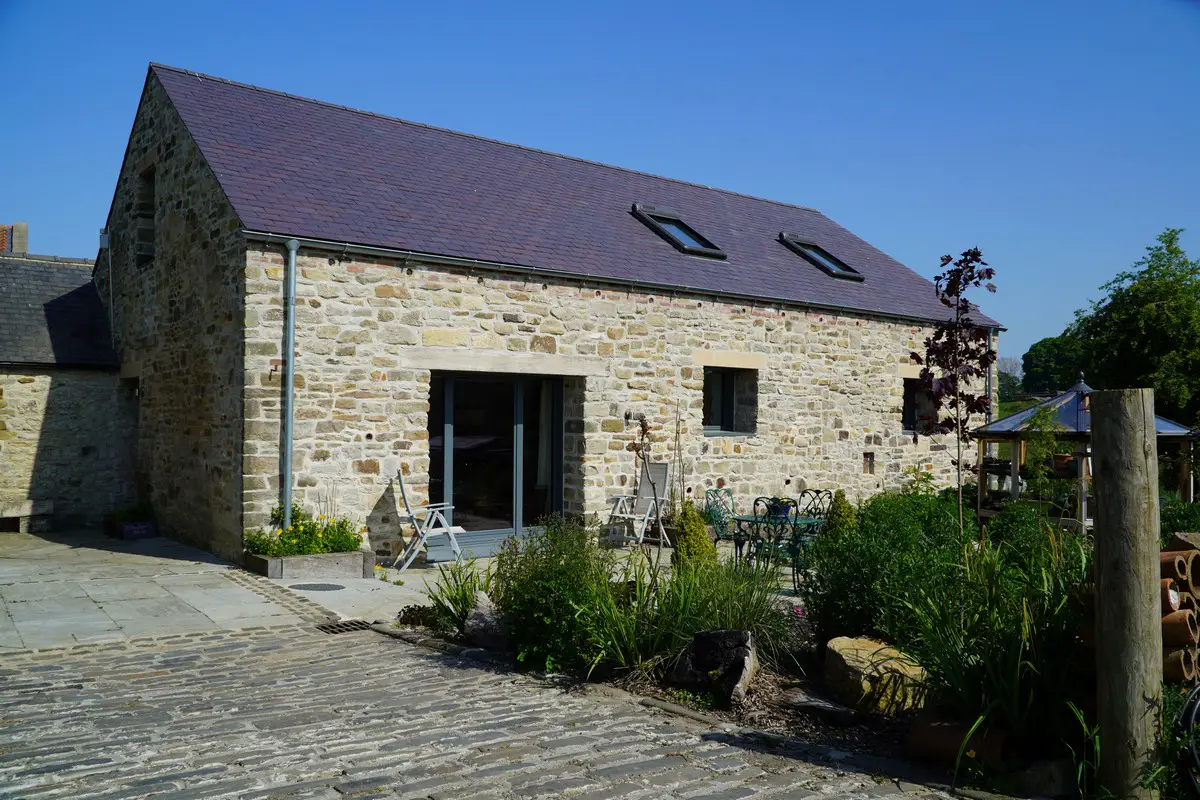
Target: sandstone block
872, 676
444, 337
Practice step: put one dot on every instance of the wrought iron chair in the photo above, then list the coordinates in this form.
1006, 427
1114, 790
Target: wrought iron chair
719, 506
813, 504
772, 526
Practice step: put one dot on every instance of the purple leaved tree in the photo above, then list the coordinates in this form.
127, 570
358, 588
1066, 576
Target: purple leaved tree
958, 356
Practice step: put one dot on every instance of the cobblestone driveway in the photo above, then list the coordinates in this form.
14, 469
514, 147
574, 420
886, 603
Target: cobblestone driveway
294, 713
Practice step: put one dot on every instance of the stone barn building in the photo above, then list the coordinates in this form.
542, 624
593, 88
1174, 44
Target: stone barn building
482, 318
67, 422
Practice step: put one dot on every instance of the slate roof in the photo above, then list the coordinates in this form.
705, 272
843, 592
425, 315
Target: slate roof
51, 314
300, 167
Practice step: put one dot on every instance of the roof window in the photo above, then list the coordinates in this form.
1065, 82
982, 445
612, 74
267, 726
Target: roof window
670, 226
819, 257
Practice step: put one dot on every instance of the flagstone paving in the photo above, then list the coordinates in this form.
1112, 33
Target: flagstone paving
293, 713
75, 588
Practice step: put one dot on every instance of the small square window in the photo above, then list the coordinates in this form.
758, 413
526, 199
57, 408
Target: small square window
918, 406
730, 401
670, 226
819, 257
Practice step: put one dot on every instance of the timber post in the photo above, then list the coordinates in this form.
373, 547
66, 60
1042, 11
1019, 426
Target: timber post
1128, 619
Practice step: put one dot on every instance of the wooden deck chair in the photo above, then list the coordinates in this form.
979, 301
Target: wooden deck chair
428, 520
639, 511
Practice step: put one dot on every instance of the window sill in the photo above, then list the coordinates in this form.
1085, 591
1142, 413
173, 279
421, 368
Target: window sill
718, 432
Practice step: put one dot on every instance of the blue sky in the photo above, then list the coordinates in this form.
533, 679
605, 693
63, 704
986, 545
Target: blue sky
1059, 137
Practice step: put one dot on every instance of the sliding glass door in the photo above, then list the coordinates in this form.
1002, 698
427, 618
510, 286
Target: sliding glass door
495, 452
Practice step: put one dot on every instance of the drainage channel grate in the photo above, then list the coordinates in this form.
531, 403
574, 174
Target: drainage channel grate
317, 587
345, 626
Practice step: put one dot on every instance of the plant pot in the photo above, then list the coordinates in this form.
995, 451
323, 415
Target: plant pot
356, 564
777, 509
939, 742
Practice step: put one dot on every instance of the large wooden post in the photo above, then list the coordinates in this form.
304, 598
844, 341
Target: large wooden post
1128, 622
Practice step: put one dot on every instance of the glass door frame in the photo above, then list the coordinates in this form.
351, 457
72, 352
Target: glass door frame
519, 383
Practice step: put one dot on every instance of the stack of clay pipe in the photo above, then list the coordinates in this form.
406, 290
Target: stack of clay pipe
1180, 582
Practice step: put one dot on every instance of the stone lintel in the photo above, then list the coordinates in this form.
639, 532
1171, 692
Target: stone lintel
468, 360
729, 358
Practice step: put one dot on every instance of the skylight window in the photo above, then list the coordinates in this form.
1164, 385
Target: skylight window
819, 257
670, 226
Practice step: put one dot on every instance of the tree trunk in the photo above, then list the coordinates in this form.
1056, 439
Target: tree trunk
1129, 654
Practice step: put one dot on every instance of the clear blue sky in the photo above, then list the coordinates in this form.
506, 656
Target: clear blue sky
1060, 137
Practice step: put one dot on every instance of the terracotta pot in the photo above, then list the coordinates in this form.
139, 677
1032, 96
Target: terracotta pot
1170, 595
1179, 665
1173, 566
938, 742
1179, 629
1192, 559
1187, 600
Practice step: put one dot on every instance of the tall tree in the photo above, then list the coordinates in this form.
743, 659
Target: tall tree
1145, 331
1052, 364
958, 356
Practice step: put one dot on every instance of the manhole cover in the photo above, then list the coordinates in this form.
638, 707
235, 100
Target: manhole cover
317, 587
345, 626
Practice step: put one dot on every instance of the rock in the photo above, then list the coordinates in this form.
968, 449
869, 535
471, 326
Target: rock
721, 662
871, 676
486, 626
1048, 779
827, 710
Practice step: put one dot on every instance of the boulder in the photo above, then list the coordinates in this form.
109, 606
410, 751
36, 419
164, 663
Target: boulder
872, 676
722, 663
486, 626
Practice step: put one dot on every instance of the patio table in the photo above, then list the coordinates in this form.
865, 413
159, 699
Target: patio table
749, 527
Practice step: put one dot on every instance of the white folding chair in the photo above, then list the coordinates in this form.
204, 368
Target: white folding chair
638, 511
427, 520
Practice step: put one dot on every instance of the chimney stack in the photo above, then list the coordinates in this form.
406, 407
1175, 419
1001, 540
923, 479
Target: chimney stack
20, 237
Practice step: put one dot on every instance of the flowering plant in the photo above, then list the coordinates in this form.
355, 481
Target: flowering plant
306, 535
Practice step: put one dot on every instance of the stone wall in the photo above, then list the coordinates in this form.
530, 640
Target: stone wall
830, 388
66, 436
177, 266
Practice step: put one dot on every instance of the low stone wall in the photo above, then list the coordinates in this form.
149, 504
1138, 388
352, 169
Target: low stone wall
67, 442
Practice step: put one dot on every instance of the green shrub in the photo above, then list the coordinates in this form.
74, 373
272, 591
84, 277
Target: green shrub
1177, 517
453, 593
841, 516
635, 624
421, 617
856, 582
691, 542
539, 582
306, 535
1000, 637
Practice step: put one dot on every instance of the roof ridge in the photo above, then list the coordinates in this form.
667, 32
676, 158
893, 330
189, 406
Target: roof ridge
68, 261
477, 137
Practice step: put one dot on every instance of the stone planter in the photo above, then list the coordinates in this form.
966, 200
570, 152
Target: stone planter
358, 564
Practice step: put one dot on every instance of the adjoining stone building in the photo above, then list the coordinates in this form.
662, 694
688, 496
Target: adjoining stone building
66, 421
483, 318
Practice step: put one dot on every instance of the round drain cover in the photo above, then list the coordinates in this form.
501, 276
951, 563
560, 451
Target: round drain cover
317, 587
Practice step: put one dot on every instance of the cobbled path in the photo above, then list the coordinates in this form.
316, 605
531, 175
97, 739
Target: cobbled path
293, 713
